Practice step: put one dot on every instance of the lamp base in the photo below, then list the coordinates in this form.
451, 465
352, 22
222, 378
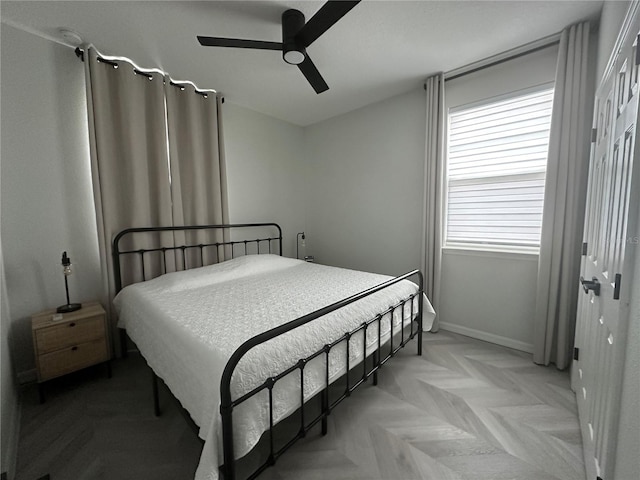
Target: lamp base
69, 307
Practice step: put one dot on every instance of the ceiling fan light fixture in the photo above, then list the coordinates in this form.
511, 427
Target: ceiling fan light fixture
294, 57
292, 23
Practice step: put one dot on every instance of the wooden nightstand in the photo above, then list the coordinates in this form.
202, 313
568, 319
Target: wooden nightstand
74, 341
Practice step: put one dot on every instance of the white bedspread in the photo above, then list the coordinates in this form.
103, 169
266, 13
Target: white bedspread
187, 325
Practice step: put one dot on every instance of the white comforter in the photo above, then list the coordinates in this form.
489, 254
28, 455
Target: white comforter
187, 325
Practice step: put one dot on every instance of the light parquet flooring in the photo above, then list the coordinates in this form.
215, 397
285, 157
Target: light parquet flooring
464, 410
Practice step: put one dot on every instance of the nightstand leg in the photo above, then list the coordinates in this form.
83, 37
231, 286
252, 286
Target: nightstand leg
41, 392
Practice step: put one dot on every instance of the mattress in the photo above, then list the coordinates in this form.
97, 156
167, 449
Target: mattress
187, 325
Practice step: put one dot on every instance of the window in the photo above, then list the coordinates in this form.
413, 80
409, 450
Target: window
497, 158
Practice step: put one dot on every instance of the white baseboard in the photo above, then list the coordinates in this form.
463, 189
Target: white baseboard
487, 337
28, 376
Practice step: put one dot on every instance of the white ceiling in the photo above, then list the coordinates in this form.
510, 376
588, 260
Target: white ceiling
378, 50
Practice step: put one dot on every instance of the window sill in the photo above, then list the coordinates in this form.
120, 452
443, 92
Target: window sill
478, 251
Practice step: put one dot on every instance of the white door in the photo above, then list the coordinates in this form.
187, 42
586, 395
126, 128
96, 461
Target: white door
602, 317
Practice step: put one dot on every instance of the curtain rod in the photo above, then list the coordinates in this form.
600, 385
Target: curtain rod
80, 54
512, 54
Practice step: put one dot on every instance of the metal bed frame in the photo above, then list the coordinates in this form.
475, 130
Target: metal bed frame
353, 379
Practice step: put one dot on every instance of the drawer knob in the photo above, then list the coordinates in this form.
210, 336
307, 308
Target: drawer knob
72, 324
74, 348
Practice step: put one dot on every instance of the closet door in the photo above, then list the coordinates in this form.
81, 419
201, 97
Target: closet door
603, 313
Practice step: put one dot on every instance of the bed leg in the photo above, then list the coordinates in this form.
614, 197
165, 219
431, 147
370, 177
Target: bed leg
376, 364
156, 397
325, 409
226, 412
420, 341
123, 343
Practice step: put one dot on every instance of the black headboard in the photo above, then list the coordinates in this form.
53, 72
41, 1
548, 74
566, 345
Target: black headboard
233, 243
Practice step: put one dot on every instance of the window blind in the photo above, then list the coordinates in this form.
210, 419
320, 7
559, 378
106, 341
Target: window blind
497, 158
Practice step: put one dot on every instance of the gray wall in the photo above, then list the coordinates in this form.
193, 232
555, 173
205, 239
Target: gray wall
364, 186
265, 171
46, 196
490, 296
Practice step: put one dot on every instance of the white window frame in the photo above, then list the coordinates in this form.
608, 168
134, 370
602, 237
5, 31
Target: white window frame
483, 246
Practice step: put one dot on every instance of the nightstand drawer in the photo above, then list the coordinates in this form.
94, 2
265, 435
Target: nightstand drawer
66, 334
72, 358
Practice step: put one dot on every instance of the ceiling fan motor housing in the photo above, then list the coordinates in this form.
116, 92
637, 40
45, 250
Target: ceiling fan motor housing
296, 37
292, 51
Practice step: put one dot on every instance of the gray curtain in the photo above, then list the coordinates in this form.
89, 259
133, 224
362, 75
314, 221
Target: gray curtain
129, 162
157, 159
433, 190
564, 201
198, 171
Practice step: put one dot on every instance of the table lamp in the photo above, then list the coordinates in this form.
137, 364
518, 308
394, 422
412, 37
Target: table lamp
66, 270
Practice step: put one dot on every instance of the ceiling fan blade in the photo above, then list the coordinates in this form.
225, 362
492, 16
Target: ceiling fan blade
312, 75
238, 43
323, 20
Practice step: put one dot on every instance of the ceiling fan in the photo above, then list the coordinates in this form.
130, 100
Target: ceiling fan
296, 37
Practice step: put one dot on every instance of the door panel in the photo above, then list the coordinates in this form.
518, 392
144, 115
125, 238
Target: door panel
601, 322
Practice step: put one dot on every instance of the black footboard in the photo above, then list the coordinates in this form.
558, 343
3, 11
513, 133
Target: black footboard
227, 403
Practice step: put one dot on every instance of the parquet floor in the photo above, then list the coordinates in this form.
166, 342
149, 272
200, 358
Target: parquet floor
465, 410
